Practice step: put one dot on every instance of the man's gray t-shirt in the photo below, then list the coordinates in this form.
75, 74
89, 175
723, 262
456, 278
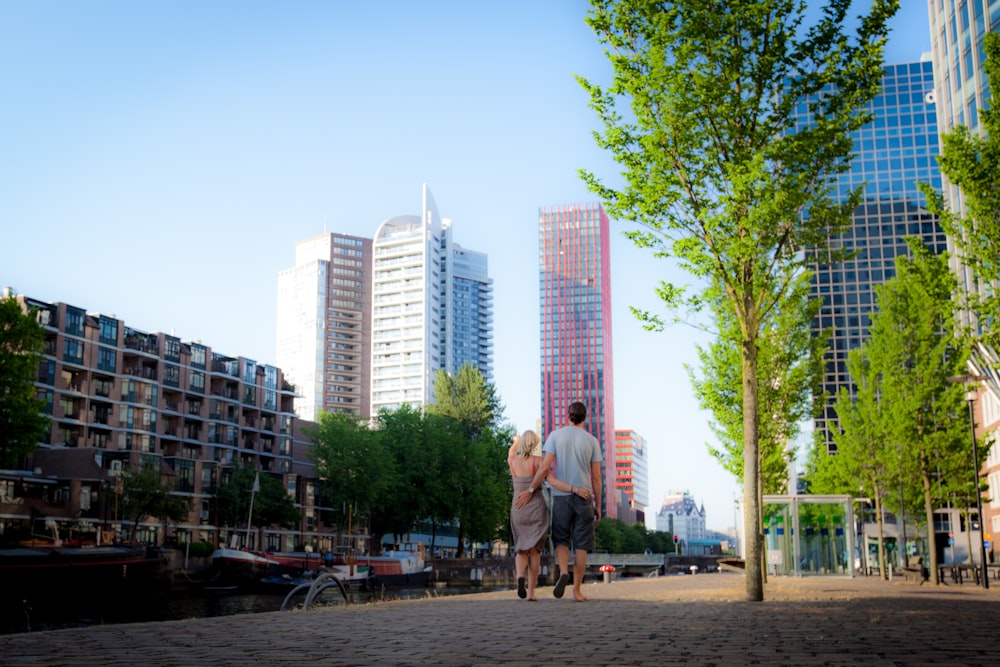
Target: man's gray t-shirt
574, 450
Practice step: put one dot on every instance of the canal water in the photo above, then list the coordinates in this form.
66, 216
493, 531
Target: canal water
193, 604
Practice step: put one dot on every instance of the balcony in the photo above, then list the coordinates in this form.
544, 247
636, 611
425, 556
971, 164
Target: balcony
142, 342
147, 372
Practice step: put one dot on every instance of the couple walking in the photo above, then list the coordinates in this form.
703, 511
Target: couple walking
576, 502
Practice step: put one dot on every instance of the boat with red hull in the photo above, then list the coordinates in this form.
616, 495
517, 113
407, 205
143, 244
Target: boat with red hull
391, 569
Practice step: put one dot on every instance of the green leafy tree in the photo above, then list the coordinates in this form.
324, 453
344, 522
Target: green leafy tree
636, 538
790, 373
914, 348
866, 457
416, 444
617, 537
971, 162
354, 466
476, 461
609, 536
146, 493
272, 506
23, 422
718, 173
660, 542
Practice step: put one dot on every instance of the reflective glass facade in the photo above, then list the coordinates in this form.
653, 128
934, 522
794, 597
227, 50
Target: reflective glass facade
892, 154
574, 254
471, 312
957, 31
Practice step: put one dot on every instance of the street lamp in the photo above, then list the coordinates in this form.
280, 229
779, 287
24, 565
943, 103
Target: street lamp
970, 398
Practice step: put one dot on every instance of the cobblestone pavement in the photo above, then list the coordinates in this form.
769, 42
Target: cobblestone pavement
677, 620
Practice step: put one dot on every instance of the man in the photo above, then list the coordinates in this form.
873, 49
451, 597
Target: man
577, 455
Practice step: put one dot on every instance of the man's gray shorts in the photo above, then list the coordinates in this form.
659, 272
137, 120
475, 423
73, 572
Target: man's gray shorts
573, 516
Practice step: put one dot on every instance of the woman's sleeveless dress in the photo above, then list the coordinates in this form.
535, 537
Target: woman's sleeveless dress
530, 524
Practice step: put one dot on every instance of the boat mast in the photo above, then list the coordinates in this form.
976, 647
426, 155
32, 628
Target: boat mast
253, 492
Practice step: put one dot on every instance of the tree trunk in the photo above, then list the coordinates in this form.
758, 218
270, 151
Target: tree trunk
881, 535
968, 533
751, 472
460, 550
925, 476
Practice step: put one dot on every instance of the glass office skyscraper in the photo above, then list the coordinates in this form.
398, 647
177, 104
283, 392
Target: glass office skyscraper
574, 252
892, 154
471, 299
957, 31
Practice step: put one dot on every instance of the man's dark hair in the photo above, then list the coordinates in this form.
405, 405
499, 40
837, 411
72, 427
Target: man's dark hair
577, 412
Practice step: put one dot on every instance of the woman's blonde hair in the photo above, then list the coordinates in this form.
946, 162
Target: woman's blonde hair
529, 445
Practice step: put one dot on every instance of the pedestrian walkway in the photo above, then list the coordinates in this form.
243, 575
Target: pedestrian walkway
676, 620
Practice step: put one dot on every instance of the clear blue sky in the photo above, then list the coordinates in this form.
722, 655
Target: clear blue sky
160, 160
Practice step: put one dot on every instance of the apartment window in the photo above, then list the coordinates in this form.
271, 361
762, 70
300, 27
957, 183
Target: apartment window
171, 375
46, 396
74, 322
47, 372
185, 476
197, 382
103, 387
68, 407
207, 478
72, 351
108, 333
198, 356
172, 349
973, 520
106, 359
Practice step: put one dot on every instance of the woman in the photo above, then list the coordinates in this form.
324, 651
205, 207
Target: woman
530, 524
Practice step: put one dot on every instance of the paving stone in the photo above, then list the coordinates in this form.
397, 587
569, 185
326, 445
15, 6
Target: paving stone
699, 620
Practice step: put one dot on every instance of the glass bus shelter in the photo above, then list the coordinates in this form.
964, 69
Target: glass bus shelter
809, 535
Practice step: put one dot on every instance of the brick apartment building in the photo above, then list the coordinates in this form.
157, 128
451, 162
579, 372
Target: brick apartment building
119, 397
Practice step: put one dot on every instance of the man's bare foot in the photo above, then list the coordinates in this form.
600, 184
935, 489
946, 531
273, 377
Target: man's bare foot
580, 597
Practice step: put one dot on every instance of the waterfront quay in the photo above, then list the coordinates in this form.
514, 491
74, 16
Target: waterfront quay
673, 620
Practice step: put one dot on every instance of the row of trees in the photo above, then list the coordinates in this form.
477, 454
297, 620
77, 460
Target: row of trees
905, 427
616, 537
446, 464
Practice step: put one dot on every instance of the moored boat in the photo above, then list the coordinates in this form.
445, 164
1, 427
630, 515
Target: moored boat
392, 568
253, 569
248, 569
242, 568
399, 568
40, 579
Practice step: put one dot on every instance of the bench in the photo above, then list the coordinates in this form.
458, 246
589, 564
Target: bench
914, 569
